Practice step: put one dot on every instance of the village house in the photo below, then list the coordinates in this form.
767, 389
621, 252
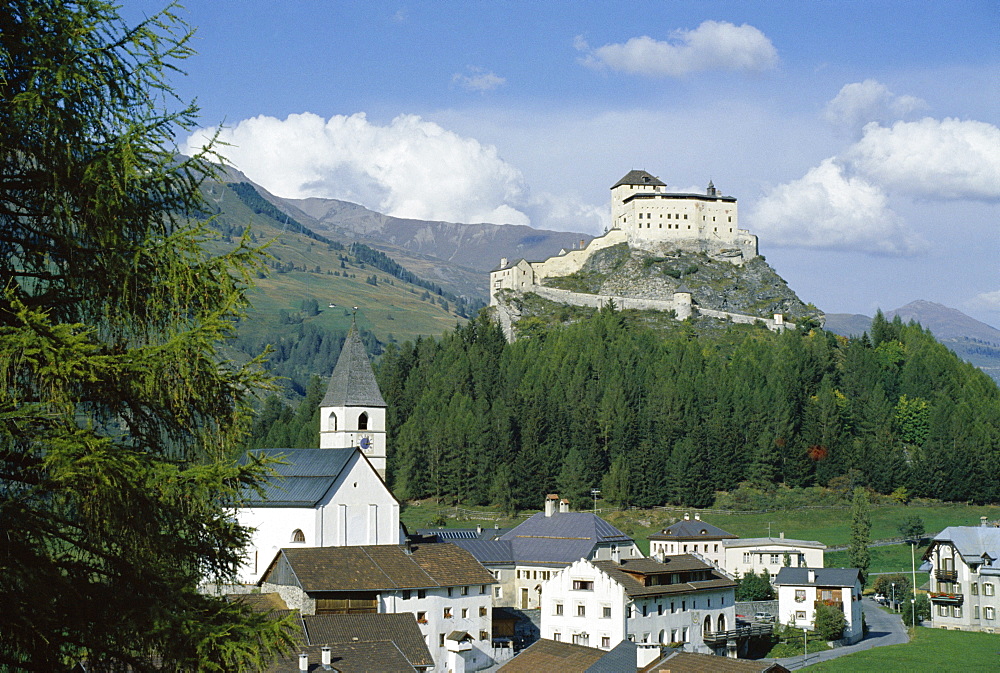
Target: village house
800, 590
756, 554
531, 553
333, 495
965, 578
442, 586
691, 537
680, 600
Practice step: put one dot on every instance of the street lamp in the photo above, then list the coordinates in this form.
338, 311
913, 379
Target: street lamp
894, 597
913, 601
595, 492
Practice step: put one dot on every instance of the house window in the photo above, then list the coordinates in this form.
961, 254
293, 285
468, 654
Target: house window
673, 609
956, 611
988, 612
942, 611
800, 615
800, 595
581, 639
421, 593
605, 642
450, 591
363, 421
559, 609
447, 613
975, 612
746, 557
684, 606
583, 585
484, 635
673, 635
298, 536
606, 612
406, 595
987, 589
975, 588
709, 602
684, 634
465, 591
659, 609
557, 636
775, 559
421, 617
482, 610
482, 590
497, 593
440, 640
465, 613
581, 610
643, 609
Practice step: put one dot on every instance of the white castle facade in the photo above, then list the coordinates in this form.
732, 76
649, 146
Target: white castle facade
647, 217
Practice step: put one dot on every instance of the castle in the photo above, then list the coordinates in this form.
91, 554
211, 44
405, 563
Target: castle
646, 217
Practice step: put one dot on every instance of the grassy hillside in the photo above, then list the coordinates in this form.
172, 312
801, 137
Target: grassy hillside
931, 650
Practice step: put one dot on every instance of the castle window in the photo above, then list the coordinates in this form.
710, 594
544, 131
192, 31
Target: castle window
685, 217
298, 536
363, 421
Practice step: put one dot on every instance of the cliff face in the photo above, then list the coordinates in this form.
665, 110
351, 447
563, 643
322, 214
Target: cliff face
753, 288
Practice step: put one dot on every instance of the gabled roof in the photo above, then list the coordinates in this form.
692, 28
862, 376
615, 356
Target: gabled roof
691, 529
762, 541
302, 480
638, 177
550, 655
380, 567
671, 564
400, 629
972, 542
359, 657
353, 381
562, 538
826, 577
489, 552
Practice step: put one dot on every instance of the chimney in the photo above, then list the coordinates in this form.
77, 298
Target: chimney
697, 516
563, 506
325, 654
982, 521
496, 526
583, 244
550, 504
303, 662
812, 576
687, 517
408, 547
479, 529
503, 262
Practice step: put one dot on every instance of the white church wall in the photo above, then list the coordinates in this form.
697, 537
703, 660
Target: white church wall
358, 509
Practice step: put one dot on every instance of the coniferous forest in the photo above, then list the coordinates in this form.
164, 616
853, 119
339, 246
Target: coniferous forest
651, 419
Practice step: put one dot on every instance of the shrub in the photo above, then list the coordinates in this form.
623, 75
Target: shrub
830, 622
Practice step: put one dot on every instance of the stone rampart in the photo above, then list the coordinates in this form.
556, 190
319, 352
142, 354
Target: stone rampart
572, 261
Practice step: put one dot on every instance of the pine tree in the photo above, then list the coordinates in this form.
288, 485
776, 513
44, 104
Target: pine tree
118, 415
861, 527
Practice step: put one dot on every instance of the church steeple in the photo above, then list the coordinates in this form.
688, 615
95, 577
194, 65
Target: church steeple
353, 411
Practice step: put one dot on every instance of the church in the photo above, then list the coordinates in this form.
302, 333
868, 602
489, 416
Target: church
334, 495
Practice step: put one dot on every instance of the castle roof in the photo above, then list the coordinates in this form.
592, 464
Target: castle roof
353, 381
636, 177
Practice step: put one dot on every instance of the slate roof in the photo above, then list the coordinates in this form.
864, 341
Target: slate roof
638, 177
562, 538
303, 479
761, 541
401, 629
452, 534
972, 541
360, 657
679, 563
489, 552
691, 529
826, 577
353, 381
381, 567
549, 655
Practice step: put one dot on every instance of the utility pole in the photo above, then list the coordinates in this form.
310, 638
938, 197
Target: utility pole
595, 492
913, 569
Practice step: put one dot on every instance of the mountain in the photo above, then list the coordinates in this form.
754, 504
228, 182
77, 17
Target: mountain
454, 255
972, 340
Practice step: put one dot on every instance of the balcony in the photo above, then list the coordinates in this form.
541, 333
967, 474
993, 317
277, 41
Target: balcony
946, 575
947, 599
831, 604
719, 638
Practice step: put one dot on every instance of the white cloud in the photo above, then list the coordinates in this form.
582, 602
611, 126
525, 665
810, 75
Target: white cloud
478, 80
987, 301
861, 102
714, 45
931, 158
408, 168
829, 209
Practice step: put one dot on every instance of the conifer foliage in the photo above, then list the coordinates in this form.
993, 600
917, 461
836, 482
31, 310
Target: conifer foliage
116, 415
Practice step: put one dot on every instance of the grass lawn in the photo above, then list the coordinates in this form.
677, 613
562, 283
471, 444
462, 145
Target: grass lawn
928, 650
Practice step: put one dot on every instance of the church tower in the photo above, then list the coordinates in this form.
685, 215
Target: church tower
353, 412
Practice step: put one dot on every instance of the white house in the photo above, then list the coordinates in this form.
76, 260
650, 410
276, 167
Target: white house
800, 590
443, 586
757, 554
651, 603
333, 495
965, 578
526, 556
692, 537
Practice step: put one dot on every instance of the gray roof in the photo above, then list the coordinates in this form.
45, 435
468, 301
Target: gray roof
353, 381
761, 541
972, 541
488, 552
452, 534
562, 538
638, 177
827, 577
693, 529
401, 629
303, 479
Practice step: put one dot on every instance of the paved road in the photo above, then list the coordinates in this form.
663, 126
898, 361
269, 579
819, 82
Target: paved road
884, 628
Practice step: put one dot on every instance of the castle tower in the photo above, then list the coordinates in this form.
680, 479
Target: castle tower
682, 302
353, 412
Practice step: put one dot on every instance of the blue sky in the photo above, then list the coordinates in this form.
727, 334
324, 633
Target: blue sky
861, 138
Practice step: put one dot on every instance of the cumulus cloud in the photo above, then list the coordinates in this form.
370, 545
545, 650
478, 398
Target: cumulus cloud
987, 301
859, 103
829, 209
714, 45
478, 79
931, 158
408, 168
